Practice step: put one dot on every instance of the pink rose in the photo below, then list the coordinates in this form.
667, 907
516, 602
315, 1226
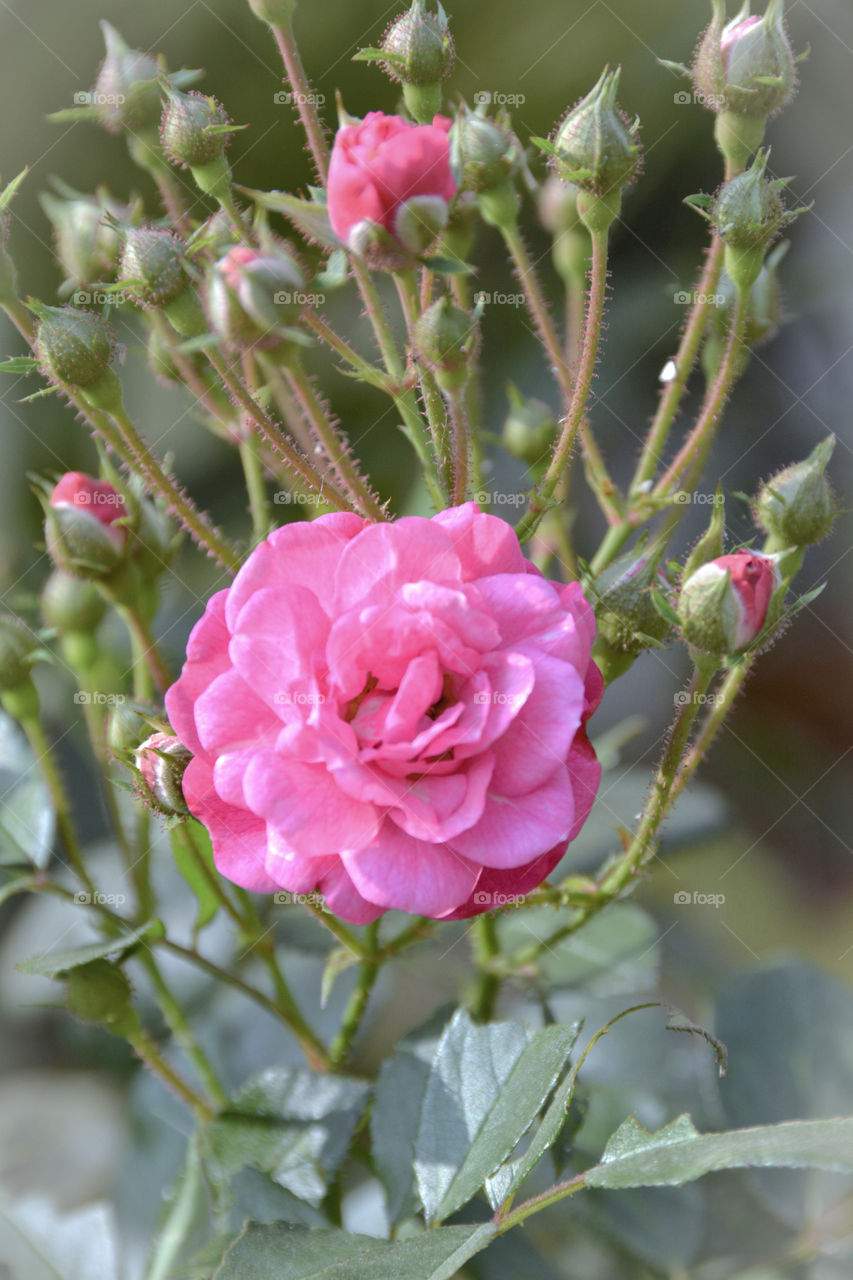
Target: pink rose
391, 714
97, 499
387, 175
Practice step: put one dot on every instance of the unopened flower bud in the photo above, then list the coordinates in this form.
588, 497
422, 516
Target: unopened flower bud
278, 13
161, 761
252, 295
84, 532
126, 728
99, 993
723, 605
626, 616
193, 134
74, 347
746, 66
596, 148
529, 429
87, 246
17, 646
483, 152
420, 55
68, 604
445, 338
748, 214
151, 270
127, 89
796, 507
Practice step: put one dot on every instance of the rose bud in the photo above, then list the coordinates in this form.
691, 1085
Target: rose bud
84, 532
596, 148
74, 349
390, 186
151, 270
69, 604
796, 507
723, 605
194, 134
627, 619
445, 338
87, 246
127, 89
161, 761
529, 429
485, 157
748, 214
420, 55
745, 71
252, 295
19, 649
99, 993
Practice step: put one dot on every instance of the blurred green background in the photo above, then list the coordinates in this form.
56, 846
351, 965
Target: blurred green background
779, 844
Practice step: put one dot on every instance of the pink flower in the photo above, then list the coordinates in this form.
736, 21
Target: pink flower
387, 175
96, 499
391, 714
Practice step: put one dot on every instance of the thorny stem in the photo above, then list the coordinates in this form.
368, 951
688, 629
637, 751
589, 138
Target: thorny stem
306, 101
147, 1051
174, 1015
486, 949
580, 392
146, 651
368, 972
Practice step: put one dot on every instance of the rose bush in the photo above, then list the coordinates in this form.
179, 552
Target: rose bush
390, 174
391, 714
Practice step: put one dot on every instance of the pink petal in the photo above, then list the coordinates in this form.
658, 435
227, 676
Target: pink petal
539, 738
239, 839
307, 807
498, 888
276, 635
514, 830
207, 657
485, 545
344, 900
400, 872
227, 714
384, 556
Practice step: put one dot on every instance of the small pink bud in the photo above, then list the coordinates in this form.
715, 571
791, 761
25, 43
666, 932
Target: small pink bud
723, 605
160, 761
734, 32
94, 498
82, 529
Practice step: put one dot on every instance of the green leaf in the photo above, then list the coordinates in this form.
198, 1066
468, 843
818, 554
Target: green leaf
292, 1124
19, 884
339, 960
27, 819
36, 1243
308, 216
448, 266
678, 1153
485, 1088
52, 964
9, 192
335, 273
379, 55
187, 863
19, 364
396, 1113
282, 1252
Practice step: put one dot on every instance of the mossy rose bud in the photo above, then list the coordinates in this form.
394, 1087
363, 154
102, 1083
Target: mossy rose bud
723, 606
100, 994
746, 66
191, 129
796, 507
73, 347
152, 266
597, 149
17, 645
625, 614
748, 214
421, 55
253, 294
161, 762
84, 526
529, 429
127, 91
445, 337
86, 245
68, 604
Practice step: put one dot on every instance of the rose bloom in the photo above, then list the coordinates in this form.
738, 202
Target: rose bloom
391, 714
381, 164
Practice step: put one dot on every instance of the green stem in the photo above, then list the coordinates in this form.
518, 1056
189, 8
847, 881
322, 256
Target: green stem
123, 438
146, 654
357, 1004
486, 950
53, 781
575, 415
460, 435
174, 1015
340, 931
148, 1052
543, 1201
724, 700
306, 101
353, 483
369, 372
253, 474
173, 1236
407, 291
